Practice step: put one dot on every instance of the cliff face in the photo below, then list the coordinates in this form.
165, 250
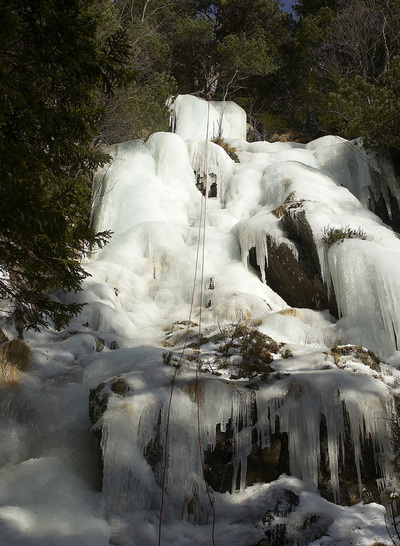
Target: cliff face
239, 354
276, 302
298, 415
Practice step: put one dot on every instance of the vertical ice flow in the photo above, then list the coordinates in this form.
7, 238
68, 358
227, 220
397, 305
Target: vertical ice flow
298, 404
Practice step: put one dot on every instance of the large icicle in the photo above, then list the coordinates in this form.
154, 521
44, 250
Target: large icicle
367, 290
127, 427
253, 233
365, 400
363, 172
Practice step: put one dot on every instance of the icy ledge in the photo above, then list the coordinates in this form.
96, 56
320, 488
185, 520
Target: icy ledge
133, 428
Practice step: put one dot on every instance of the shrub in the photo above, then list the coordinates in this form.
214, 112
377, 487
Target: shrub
15, 356
332, 235
255, 353
254, 348
360, 354
230, 150
287, 353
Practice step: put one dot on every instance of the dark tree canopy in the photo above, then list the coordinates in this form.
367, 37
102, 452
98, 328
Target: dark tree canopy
337, 72
53, 65
225, 44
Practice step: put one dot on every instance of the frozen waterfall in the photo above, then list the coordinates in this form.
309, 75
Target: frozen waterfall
148, 197
277, 419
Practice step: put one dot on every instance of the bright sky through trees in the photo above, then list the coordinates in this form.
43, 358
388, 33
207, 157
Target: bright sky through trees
287, 5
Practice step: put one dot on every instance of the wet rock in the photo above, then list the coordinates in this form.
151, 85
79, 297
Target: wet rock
100, 344
119, 386
296, 277
253, 386
154, 450
218, 461
99, 397
379, 206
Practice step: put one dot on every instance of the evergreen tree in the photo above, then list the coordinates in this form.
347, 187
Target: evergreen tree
370, 109
364, 53
304, 8
218, 49
53, 64
289, 91
338, 70
138, 109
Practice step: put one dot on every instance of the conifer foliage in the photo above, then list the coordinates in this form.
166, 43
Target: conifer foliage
346, 71
52, 66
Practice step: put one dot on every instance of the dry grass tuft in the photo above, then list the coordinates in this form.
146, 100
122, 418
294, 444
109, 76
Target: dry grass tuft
230, 150
15, 356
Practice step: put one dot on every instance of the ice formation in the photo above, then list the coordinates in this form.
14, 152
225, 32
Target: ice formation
194, 118
269, 174
131, 424
147, 285
155, 235
148, 197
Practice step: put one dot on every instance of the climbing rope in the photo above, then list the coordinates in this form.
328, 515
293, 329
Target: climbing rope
204, 217
201, 238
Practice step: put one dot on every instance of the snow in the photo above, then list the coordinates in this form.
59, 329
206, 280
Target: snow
152, 275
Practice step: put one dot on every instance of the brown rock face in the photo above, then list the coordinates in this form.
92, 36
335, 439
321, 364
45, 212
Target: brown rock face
297, 279
264, 465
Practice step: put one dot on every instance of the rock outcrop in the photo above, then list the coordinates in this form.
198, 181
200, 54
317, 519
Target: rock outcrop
295, 276
259, 428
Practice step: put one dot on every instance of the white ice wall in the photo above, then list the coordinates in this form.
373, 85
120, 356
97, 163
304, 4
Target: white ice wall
190, 117
364, 172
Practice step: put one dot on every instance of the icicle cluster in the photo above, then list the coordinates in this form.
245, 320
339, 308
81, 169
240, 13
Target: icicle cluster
365, 173
134, 425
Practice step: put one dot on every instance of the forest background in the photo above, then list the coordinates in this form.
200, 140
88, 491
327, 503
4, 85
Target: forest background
77, 75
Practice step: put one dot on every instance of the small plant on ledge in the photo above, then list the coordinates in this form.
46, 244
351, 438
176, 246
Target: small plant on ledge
230, 150
332, 235
253, 348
